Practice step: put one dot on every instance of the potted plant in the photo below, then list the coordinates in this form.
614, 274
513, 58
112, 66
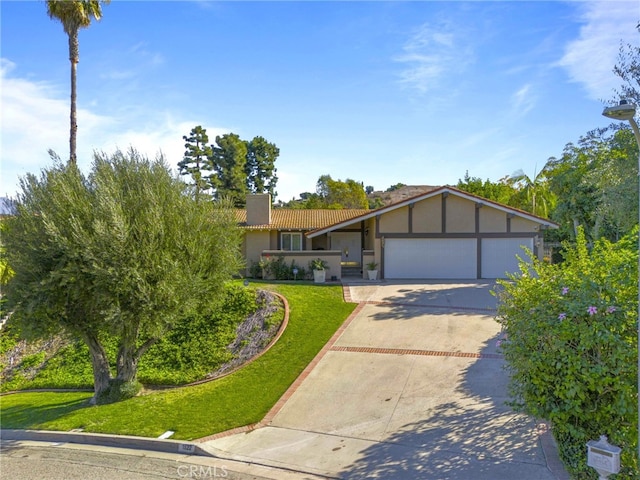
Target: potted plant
264, 265
318, 266
372, 270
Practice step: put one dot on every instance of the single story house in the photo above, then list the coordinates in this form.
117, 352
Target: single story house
441, 234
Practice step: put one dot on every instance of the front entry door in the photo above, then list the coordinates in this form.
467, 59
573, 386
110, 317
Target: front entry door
349, 244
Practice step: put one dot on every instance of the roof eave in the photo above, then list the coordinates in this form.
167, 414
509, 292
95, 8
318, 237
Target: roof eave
433, 193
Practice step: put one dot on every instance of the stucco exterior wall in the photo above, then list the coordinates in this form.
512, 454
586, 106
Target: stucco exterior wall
302, 259
519, 224
492, 220
259, 209
427, 215
396, 221
370, 231
254, 243
460, 215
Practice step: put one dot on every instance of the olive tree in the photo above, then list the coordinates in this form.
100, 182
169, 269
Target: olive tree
122, 252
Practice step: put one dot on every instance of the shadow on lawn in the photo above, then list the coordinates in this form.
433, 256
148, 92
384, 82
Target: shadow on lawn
26, 414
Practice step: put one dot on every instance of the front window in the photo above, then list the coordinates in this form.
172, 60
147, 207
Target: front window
291, 241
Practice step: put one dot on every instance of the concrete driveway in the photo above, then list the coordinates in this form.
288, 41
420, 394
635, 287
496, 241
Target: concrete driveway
412, 386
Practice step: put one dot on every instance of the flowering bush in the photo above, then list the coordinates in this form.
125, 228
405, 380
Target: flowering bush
570, 341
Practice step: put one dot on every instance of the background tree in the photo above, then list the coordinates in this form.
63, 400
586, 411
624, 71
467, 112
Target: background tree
501, 191
347, 194
228, 159
533, 194
196, 159
596, 184
74, 15
241, 167
308, 200
333, 194
122, 253
576, 198
628, 69
260, 166
322, 187
615, 177
397, 186
336, 194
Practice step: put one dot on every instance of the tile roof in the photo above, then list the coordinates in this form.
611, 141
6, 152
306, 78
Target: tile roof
301, 219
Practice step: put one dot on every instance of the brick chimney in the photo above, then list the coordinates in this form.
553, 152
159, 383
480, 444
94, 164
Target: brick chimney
259, 209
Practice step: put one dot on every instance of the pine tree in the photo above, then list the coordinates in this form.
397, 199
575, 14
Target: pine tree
196, 159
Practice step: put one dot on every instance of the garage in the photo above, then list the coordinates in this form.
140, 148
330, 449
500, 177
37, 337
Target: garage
430, 258
451, 258
500, 255
444, 233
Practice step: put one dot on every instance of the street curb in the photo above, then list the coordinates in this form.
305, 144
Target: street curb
105, 440
130, 441
550, 450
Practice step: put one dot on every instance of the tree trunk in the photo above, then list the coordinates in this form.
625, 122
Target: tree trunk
576, 224
100, 364
126, 363
128, 356
74, 57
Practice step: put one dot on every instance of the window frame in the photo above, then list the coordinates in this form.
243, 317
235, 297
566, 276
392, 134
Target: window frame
291, 236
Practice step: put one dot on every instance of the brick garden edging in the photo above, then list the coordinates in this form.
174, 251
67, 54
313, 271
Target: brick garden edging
266, 421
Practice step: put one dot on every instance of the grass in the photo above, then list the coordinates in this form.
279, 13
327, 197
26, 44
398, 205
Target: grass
194, 412
196, 346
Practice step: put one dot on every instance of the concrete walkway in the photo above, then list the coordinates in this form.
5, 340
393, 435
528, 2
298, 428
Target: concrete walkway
411, 387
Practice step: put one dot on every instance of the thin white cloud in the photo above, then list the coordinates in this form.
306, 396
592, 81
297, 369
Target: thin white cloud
475, 138
523, 100
35, 118
152, 58
430, 54
132, 63
589, 59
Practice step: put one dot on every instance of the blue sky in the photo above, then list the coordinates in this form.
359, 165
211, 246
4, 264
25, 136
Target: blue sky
380, 92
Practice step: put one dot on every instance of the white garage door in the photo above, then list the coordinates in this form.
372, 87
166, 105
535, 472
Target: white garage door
499, 255
430, 258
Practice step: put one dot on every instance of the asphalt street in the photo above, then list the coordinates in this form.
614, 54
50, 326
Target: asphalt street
27, 460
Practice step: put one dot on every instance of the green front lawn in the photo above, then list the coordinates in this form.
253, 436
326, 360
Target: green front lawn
193, 412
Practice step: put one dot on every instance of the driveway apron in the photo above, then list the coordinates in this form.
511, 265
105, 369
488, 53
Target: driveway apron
412, 387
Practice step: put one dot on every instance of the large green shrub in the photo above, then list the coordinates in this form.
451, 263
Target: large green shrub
570, 344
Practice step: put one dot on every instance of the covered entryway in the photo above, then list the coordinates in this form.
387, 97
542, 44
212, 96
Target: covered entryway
430, 258
349, 244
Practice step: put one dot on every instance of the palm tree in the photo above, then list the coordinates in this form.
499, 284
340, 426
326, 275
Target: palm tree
74, 15
538, 197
